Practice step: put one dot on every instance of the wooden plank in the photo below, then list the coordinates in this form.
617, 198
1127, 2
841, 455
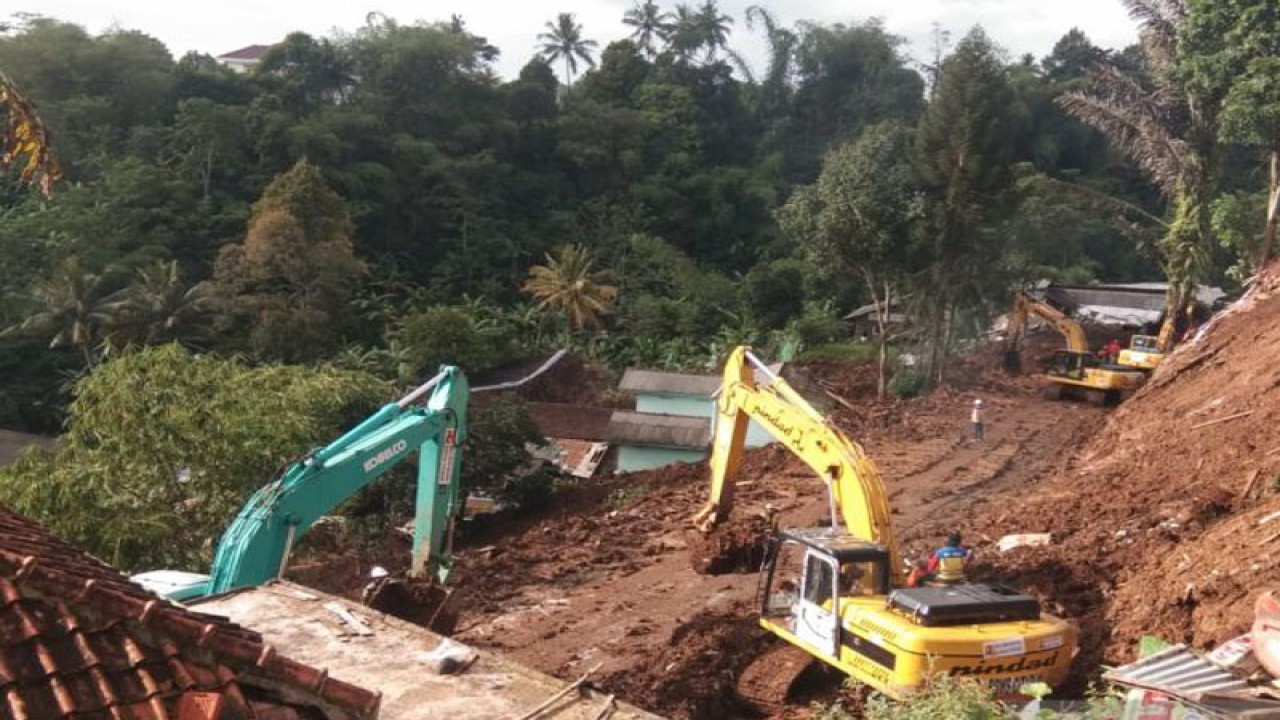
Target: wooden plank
1215, 421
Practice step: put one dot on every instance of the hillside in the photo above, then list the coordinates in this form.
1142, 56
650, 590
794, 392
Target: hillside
1162, 521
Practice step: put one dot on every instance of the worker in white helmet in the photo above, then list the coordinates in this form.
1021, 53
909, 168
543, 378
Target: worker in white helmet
976, 418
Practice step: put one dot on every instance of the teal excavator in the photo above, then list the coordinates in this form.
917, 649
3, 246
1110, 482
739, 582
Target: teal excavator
255, 547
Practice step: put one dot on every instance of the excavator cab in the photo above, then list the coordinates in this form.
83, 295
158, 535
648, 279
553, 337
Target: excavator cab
809, 572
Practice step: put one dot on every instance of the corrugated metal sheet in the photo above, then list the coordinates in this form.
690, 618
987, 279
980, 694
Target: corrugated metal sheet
1187, 676
675, 431
635, 380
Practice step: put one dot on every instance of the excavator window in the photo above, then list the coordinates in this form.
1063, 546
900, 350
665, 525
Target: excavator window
858, 578
817, 580
1143, 342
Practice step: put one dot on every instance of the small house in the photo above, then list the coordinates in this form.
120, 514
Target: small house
672, 419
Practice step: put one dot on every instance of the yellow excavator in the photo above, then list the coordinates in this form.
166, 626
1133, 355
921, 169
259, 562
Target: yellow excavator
1073, 372
837, 593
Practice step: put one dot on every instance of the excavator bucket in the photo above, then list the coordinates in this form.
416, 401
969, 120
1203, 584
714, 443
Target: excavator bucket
420, 602
1266, 631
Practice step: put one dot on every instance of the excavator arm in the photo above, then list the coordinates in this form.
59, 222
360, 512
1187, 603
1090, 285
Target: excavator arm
1025, 305
256, 545
853, 482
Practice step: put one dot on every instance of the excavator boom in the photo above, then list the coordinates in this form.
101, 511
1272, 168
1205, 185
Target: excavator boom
256, 546
854, 487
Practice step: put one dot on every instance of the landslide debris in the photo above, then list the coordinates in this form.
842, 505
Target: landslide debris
1165, 522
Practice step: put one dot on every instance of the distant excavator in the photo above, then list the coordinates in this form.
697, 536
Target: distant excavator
1073, 372
836, 593
255, 548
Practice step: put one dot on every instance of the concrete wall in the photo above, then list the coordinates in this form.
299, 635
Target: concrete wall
695, 406
632, 458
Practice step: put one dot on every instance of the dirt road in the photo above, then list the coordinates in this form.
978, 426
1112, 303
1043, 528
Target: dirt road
606, 577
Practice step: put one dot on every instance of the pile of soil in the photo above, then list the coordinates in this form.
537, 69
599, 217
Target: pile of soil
694, 674
737, 546
1162, 522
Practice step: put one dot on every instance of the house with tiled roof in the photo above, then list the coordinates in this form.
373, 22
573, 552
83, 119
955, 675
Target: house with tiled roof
244, 59
79, 640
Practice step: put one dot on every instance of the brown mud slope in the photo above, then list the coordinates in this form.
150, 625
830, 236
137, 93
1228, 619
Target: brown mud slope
1163, 523
606, 576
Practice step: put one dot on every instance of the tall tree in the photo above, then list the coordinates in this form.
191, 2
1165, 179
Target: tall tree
1230, 57
159, 307
963, 158
860, 218
73, 309
650, 24
569, 283
563, 41
713, 28
1167, 134
291, 279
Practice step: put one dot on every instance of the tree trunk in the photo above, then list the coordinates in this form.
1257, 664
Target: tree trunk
1273, 211
881, 308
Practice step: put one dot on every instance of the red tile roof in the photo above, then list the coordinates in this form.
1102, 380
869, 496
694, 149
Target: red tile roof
78, 640
252, 52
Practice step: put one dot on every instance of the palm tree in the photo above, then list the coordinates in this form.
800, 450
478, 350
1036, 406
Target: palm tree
1171, 138
650, 22
563, 41
74, 308
160, 307
25, 135
775, 87
685, 37
568, 283
713, 28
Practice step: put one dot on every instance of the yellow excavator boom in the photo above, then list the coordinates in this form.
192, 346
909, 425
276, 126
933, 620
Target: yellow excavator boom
854, 487
1025, 305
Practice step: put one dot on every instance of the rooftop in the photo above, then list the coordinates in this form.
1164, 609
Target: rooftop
655, 381
391, 657
250, 52
658, 430
78, 640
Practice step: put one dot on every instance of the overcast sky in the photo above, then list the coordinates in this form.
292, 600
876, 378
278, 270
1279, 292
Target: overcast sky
1020, 26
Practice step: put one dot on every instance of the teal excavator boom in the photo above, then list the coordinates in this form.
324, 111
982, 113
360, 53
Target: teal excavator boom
255, 547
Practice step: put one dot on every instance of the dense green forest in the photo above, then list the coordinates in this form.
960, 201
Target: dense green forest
380, 201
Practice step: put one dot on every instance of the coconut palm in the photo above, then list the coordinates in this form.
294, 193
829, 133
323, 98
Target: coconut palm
74, 309
650, 24
686, 36
25, 136
1166, 134
160, 307
568, 283
713, 28
563, 41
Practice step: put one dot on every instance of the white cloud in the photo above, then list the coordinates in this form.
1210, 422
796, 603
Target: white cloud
1020, 26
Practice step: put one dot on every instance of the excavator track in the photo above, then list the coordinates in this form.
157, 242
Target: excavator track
766, 683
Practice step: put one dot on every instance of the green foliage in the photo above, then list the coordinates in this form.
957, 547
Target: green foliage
496, 460
162, 447
820, 324
445, 335
775, 292
945, 697
288, 285
907, 382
